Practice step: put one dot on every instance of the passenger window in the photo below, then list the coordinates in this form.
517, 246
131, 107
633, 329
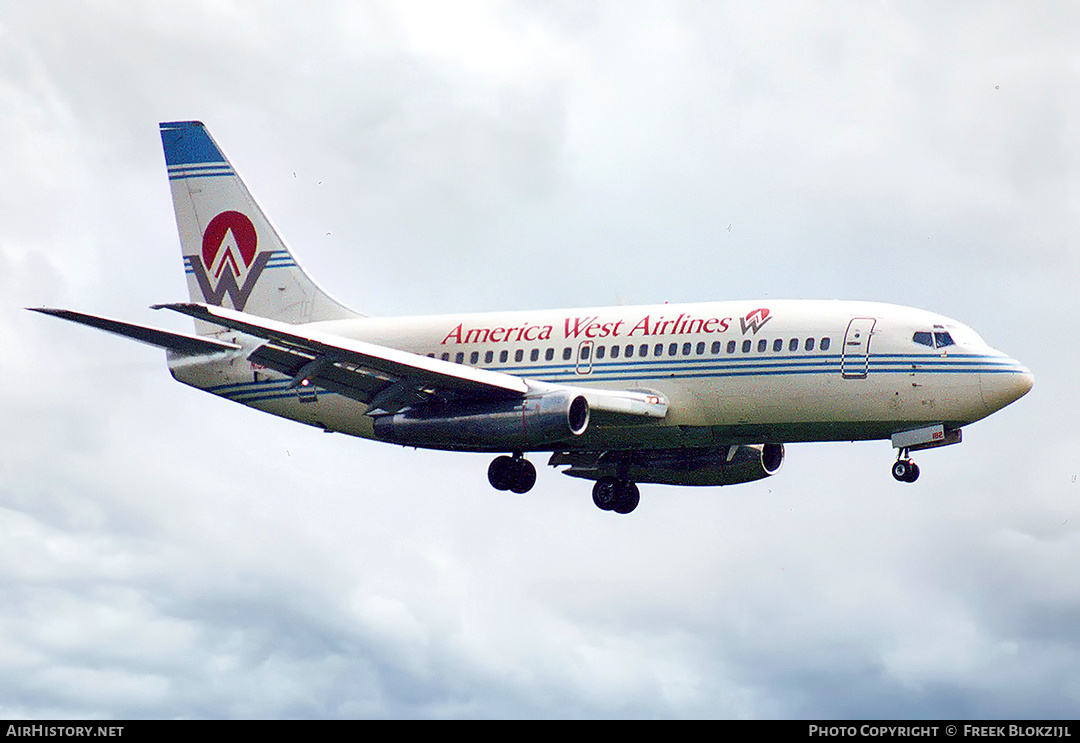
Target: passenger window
643, 350
700, 348
808, 345
474, 357
567, 353
445, 357
715, 348
658, 350
793, 345
502, 357
746, 346
585, 351
731, 346
549, 354
762, 345
614, 352
488, 357
778, 345
459, 357
673, 349
825, 343
431, 355
629, 351
534, 355
600, 351
519, 355
923, 339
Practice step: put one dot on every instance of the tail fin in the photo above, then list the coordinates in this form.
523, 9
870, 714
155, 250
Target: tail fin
233, 257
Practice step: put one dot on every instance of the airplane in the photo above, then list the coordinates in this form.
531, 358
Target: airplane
698, 394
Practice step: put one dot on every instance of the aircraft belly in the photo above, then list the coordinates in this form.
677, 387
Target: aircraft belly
237, 380
792, 408
331, 412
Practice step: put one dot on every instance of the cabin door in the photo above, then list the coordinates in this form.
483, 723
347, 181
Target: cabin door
855, 361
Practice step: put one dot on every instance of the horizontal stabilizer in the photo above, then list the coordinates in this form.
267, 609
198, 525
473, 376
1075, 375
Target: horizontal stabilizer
187, 345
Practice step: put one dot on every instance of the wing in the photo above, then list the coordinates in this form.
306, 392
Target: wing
180, 343
388, 380
384, 378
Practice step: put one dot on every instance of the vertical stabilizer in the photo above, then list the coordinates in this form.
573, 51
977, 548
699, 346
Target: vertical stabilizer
233, 257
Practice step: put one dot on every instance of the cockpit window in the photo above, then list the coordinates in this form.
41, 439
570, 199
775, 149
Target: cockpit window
924, 339
942, 339
937, 339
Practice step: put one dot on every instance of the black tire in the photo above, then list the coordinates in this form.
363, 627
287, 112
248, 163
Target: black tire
913, 472
500, 473
522, 476
605, 493
629, 497
901, 469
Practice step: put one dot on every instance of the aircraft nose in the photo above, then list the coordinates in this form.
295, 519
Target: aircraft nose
1025, 381
998, 390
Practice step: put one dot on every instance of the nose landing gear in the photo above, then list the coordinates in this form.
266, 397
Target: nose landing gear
904, 470
515, 473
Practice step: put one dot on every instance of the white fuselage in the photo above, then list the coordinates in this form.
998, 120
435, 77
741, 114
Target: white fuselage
732, 372
691, 394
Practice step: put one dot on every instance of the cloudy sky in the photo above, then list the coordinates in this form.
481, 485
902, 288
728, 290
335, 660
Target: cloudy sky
164, 553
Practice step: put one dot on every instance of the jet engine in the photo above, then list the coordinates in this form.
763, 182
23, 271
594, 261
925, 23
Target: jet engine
525, 423
727, 465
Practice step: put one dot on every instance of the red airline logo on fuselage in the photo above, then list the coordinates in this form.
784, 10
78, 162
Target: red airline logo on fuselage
754, 320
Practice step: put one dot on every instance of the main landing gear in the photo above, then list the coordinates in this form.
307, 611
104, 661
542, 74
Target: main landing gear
515, 473
518, 475
904, 470
613, 494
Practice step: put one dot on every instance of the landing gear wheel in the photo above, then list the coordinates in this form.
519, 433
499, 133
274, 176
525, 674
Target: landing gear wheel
904, 470
629, 498
500, 473
604, 493
515, 474
900, 470
611, 494
523, 477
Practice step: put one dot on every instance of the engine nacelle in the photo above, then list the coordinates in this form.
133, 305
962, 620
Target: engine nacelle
526, 423
723, 466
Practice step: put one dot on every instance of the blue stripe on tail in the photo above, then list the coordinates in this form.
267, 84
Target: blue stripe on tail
187, 143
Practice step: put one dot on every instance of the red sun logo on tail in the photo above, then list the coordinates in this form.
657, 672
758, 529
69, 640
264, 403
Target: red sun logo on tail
229, 233
229, 254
